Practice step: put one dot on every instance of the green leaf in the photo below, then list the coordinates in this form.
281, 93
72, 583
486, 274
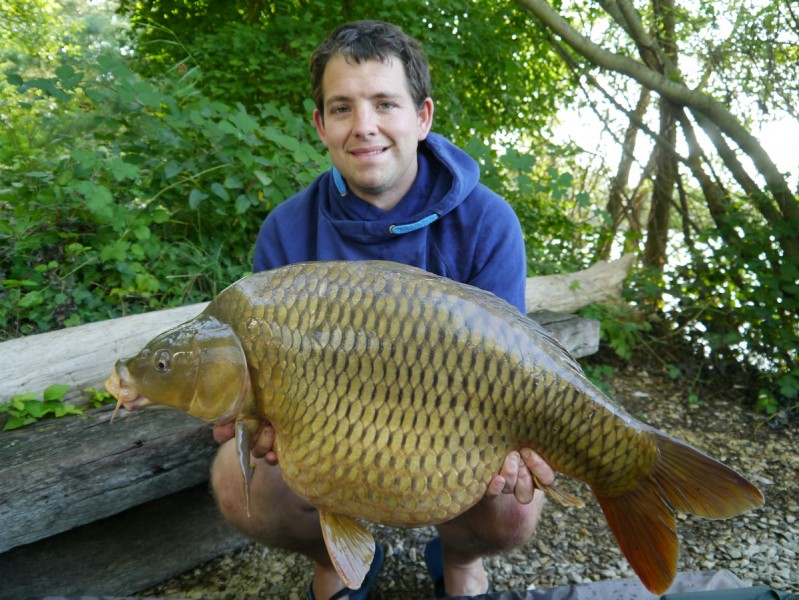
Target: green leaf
68, 77
196, 197
9, 283
142, 232
55, 392
32, 298
122, 170
289, 143
231, 182
244, 122
37, 409
116, 250
220, 191
67, 409
17, 422
262, 177
159, 215
47, 86
99, 200
147, 95
172, 168
242, 204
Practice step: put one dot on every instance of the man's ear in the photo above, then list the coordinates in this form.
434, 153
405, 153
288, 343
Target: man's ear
425, 118
319, 122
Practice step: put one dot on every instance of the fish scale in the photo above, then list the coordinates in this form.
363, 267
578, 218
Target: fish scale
327, 339
395, 396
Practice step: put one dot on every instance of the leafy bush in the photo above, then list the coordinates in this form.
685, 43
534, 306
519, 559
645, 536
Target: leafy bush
125, 194
736, 310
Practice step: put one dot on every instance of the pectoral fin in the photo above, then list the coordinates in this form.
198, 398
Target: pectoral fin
350, 545
559, 495
245, 429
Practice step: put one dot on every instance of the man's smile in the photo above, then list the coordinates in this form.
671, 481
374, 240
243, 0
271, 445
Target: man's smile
360, 152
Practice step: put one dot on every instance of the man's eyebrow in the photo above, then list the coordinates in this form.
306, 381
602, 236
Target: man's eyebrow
377, 96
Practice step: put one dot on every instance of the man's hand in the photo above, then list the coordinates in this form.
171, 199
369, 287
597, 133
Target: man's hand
518, 474
264, 440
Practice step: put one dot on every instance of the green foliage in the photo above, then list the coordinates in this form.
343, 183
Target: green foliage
766, 403
491, 70
621, 327
735, 308
98, 398
600, 376
127, 188
25, 409
124, 194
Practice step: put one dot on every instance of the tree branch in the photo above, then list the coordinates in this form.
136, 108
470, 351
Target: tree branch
674, 91
699, 103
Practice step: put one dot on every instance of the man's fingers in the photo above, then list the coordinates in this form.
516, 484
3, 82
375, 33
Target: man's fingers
538, 467
525, 487
510, 472
224, 432
495, 487
264, 442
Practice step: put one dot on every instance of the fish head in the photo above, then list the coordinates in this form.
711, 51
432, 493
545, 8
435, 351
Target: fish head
198, 367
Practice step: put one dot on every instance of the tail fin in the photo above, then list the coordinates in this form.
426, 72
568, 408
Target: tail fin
684, 480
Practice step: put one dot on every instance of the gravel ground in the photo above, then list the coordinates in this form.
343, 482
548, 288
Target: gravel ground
575, 545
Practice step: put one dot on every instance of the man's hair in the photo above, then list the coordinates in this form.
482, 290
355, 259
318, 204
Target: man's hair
361, 41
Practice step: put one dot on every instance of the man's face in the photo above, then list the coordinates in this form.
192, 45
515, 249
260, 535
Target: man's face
371, 127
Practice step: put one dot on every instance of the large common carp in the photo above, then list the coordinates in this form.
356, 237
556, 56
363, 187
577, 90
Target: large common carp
395, 394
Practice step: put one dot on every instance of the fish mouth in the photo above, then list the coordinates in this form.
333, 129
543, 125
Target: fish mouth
120, 387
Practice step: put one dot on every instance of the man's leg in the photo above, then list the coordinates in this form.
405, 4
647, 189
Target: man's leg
278, 517
493, 526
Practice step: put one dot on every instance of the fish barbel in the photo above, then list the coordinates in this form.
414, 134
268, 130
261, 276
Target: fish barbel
395, 395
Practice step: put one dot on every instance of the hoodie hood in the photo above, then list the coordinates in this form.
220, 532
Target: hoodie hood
446, 176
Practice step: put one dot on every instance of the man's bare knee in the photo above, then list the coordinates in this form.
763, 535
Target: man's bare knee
278, 517
519, 524
227, 484
493, 526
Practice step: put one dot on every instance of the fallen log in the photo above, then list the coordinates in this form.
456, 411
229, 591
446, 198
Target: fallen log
567, 293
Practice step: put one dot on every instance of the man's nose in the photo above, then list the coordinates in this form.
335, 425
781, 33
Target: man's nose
365, 121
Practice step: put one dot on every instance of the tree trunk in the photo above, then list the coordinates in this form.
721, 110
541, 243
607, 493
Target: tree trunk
665, 163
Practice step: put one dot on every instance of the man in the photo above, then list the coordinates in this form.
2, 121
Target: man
396, 192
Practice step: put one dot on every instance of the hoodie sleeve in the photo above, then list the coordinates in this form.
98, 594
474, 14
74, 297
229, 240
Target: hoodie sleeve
287, 234
500, 261
267, 253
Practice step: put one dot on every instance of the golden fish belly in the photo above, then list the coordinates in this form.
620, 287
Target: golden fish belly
395, 398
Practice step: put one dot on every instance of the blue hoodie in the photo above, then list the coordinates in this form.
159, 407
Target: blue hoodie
448, 223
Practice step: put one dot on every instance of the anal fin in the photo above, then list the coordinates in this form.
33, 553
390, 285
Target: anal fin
644, 526
350, 545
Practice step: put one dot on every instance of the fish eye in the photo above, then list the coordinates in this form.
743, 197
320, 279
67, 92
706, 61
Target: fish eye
162, 360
